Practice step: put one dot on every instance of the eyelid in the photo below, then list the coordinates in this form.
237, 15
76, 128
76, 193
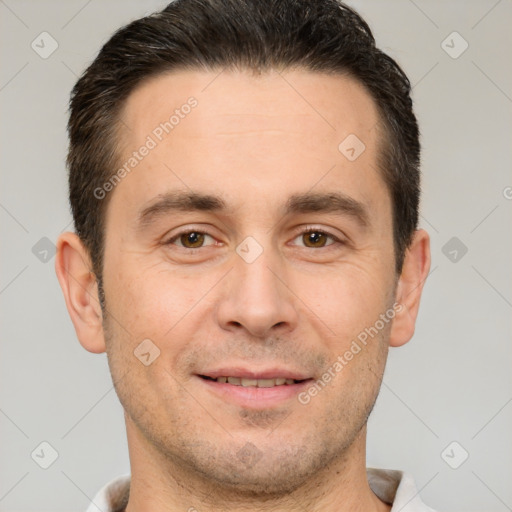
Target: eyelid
318, 229
301, 230
321, 229
188, 229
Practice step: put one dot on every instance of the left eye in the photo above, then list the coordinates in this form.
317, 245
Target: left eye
316, 238
312, 238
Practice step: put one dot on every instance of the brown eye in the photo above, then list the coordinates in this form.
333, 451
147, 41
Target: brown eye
311, 237
192, 239
315, 239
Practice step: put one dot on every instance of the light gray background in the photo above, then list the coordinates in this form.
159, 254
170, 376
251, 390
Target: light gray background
452, 382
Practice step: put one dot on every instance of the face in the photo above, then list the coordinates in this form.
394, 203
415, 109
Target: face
268, 281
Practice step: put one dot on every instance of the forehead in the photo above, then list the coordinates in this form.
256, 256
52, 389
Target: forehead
270, 132
238, 100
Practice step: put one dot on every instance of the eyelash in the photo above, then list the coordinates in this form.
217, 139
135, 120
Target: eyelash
308, 229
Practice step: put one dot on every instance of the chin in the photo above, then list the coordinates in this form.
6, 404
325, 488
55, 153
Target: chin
267, 474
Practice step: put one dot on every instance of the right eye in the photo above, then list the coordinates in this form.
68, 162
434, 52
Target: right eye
190, 239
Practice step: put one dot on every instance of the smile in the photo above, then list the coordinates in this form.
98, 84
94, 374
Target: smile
254, 389
256, 383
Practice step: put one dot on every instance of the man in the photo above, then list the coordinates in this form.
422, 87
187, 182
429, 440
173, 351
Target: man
244, 180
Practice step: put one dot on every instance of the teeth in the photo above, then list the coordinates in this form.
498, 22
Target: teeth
249, 382
260, 383
266, 383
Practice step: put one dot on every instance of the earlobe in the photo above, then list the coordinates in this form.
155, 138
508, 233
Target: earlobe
80, 289
410, 285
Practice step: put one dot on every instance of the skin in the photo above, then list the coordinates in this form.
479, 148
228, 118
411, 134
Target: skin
253, 140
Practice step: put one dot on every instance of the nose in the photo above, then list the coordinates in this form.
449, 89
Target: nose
257, 297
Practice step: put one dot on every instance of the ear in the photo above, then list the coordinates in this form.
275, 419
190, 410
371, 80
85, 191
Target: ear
80, 289
410, 285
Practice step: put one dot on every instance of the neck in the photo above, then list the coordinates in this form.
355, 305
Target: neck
159, 484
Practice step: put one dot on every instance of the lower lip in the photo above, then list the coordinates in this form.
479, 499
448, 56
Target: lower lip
254, 397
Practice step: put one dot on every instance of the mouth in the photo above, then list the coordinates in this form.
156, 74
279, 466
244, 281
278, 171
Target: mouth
247, 382
257, 390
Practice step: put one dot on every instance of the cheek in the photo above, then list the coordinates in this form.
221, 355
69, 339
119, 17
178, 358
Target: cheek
145, 305
147, 302
166, 306
347, 300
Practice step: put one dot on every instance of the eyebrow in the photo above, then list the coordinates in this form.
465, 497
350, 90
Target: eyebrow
308, 202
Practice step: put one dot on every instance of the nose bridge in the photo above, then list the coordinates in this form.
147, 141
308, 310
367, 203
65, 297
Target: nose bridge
257, 279
257, 297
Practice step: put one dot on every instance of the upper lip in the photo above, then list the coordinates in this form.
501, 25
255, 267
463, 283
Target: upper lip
245, 373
